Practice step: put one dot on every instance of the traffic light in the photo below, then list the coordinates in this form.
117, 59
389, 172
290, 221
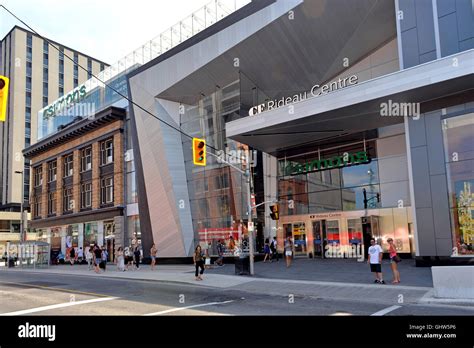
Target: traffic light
4, 82
275, 215
199, 152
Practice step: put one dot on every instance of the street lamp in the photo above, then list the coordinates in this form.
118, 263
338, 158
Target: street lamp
21, 203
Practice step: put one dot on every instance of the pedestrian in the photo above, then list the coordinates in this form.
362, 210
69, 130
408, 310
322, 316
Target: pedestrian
80, 255
137, 255
266, 250
128, 257
72, 255
89, 258
120, 260
198, 262
274, 249
220, 252
375, 261
97, 253
153, 252
288, 251
394, 260
104, 257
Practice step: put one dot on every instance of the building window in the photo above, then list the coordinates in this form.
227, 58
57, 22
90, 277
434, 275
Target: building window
61, 91
89, 68
29, 40
52, 203
45, 59
106, 152
68, 202
459, 152
29, 68
29, 53
86, 159
107, 190
28, 83
28, 99
76, 82
28, 114
52, 170
86, 195
45, 74
102, 66
36, 206
68, 165
38, 176
45, 47
222, 182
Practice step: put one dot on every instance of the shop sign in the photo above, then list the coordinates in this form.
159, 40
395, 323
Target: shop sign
346, 160
69, 99
316, 91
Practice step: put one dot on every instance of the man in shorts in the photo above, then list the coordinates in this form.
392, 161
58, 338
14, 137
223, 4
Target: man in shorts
375, 261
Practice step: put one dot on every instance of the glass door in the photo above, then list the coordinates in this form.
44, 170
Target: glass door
299, 239
333, 236
318, 238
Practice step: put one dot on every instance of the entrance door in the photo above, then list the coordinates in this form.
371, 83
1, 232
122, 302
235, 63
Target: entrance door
299, 239
319, 238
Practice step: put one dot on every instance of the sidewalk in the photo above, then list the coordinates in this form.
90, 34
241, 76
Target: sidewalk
338, 280
336, 270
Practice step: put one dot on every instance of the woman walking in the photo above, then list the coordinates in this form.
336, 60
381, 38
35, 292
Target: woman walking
89, 258
137, 255
198, 262
394, 260
97, 258
266, 250
72, 255
120, 260
153, 252
288, 251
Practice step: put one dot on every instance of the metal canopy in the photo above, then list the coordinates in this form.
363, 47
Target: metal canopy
297, 50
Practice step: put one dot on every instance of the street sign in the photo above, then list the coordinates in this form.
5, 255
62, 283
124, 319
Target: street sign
250, 226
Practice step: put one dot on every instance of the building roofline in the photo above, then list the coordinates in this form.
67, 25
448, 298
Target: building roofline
75, 129
53, 42
247, 10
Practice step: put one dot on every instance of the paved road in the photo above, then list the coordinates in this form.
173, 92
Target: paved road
25, 293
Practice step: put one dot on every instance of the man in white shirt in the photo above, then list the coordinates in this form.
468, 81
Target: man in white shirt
375, 261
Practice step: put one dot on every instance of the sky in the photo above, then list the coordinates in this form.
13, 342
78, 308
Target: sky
107, 30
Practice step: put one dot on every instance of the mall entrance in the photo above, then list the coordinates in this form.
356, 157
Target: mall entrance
345, 234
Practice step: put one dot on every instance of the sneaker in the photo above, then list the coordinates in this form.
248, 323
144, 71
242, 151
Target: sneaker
382, 282
376, 281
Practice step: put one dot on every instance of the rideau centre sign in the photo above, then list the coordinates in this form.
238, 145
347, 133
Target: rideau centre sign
346, 160
316, 91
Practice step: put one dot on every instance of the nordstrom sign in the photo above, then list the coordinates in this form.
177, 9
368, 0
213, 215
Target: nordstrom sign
316, 91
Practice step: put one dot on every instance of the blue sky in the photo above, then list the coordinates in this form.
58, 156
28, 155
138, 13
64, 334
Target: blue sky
104, 29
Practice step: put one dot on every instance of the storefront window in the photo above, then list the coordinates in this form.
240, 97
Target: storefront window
459, 155
91, 232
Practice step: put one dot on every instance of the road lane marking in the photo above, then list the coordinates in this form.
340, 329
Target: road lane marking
188, 307
56, 306
57, 289
385, 311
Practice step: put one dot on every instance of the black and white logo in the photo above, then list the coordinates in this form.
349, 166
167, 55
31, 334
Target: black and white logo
37, 331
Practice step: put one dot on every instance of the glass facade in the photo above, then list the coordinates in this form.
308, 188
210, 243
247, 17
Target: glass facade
331, 201
321, 190
459, 156
217, 191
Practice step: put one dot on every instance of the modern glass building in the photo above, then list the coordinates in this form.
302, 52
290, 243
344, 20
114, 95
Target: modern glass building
356, 115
